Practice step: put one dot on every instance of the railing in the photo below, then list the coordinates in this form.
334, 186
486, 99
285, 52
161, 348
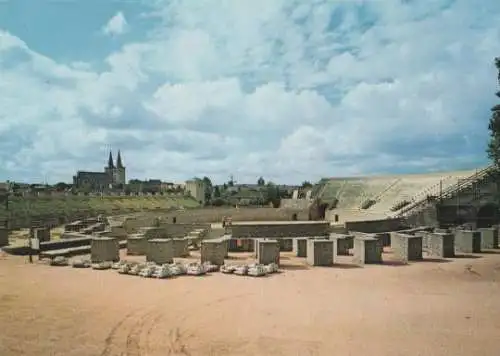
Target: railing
447, 192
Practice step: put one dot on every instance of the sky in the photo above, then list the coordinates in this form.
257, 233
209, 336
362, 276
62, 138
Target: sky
285, 89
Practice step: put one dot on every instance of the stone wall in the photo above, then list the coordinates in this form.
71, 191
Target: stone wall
280, 230
375, 225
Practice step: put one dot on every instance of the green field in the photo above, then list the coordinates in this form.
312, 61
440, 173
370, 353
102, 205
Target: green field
23, 210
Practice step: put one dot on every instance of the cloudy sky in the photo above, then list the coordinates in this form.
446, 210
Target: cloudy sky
287, 89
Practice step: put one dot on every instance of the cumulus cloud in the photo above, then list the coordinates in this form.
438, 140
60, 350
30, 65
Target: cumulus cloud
116, 25
283, 89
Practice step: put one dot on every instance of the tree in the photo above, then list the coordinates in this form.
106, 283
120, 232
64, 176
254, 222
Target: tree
261, 182
273, 194
216, 192
494, 127
208, 189
306, 184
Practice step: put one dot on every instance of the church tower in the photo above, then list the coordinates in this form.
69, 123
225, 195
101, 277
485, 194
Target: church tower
109, 170
120, 175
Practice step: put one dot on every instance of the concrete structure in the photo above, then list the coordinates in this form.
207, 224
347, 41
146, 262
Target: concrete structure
42, 234
300, 246
196, 188
440, 245
385, 238
137, 244
213, 251
160, 251
4, 236
321, 252
181, 247
406, 247
489, 237
367, 250
152, 232
344, 243
104, 249
280, 229
467, 241
286, 245
268, 252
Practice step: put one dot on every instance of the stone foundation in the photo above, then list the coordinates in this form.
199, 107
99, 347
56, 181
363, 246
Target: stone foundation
406, 247
367, 250
321, 252
160, 251
4, 236
280, 229
489, 237
213, 251
137, 245
104, 249
268, 252
300, 247
180, 247
440, 245
467, 241
344, 243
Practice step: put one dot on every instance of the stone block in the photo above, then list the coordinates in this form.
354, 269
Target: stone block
286, 245
467, 241
384, 238
268, 252
367, 250
104, 249
321, 252
489, 237
42, 234
213, 251
181, 247
300, 247
344, 243
406, 247
4, 236
159, 251
440, 245
137, 245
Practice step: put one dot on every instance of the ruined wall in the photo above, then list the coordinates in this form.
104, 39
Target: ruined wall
280, 230
375, 225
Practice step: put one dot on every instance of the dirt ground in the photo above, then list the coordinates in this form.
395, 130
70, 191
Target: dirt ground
425, 308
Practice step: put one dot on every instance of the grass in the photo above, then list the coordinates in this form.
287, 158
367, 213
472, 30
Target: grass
38, 207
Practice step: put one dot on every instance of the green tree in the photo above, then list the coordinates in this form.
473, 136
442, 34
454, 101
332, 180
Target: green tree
306, 184
208, 189
494, 128
217, 192
261, 182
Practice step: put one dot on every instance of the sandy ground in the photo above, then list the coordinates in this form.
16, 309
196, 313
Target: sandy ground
425, 308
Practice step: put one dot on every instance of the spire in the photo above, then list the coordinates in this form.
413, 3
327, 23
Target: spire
119, 163
110, 161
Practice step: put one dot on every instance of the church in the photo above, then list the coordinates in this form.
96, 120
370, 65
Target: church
114, 175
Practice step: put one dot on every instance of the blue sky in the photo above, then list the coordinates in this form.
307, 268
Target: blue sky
291, 90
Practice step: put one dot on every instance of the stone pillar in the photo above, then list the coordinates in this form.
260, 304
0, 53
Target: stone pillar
137, 244
181, 247
367, 250
4, 236
104, 249
344, 243
489, 237
213, 251
467, 241
300, 247
406, 247
42, 234
160, 251
440, 245
268, 252
321, 252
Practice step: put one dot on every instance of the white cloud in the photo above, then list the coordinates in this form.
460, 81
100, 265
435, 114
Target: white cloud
284, 89
117, 25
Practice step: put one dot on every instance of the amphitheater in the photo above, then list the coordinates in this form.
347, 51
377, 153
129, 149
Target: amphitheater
387, 272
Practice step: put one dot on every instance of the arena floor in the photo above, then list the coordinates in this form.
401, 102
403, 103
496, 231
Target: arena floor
426, 308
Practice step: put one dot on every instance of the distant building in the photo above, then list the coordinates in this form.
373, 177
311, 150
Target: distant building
112, 176
196, 188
